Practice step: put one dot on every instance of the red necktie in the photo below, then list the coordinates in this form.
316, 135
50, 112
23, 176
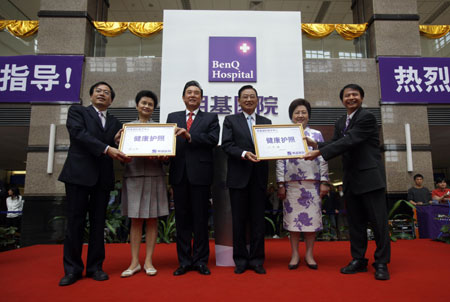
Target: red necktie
189, 121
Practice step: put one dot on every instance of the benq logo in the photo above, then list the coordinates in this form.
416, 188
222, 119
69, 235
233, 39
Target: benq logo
232, 59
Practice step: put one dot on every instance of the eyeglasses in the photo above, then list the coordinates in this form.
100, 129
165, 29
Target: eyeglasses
105, 92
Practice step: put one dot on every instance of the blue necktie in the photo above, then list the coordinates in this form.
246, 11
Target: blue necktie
249, 122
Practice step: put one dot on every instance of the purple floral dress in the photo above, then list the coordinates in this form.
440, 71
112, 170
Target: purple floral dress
302, 206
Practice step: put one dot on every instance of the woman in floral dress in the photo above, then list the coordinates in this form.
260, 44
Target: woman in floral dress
299, 185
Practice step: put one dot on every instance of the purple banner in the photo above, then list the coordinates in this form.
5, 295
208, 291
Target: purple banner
40, 79
414, 80
431, 219
232, 59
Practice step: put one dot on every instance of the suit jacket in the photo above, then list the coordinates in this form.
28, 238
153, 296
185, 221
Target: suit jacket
360, 149
236, 138
86, 164
197, 156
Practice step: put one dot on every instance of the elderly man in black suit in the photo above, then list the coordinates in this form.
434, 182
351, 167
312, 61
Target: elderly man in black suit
356, 138
89, 177
191, 175
247, 182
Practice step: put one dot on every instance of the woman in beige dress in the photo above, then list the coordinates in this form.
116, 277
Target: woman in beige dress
144, 196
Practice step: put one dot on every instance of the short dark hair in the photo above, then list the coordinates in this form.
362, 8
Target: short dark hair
351, 86
418, 175
299, 102
247, 87
91, 90
149, 94
192, 83
439, 180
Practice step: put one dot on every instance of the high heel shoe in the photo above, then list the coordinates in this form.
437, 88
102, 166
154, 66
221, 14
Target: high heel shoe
151, 271
130, 272
311, 266
293, 266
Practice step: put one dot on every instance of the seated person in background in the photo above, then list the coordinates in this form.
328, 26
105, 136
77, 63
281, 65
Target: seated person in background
418, 194
441, 194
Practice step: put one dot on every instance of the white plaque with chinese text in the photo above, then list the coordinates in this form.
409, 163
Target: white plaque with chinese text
279, 141
148, 140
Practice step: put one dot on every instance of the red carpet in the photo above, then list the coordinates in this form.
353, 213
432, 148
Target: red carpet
420, 271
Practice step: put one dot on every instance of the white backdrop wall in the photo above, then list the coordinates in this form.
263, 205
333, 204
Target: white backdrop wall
279, 61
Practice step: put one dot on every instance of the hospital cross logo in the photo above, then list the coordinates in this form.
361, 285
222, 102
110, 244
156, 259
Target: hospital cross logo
232, 59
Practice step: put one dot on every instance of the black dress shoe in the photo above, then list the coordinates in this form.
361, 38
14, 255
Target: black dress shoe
311, 266
69, 279
355, 266
98, 275
239, 269
181, 270
381, 271
259, 269
293, 266
203, 269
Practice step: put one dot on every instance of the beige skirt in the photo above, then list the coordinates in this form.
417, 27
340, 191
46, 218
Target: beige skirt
144, 197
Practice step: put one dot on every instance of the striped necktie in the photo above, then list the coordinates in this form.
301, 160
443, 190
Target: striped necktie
189, 121
102, 118
347, 122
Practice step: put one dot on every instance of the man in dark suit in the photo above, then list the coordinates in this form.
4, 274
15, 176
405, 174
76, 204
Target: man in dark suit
356, 138
191, 175
89, 177
247, 182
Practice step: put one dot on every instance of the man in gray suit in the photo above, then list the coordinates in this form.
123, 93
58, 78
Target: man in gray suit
356, 138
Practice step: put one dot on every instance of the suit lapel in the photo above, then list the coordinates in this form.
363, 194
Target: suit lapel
108, 121
94, 115
181, 119
197, 120
243, 123
353, 119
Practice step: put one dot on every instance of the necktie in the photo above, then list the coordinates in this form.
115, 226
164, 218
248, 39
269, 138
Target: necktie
189, 121
102, 118
347, 122
249, 122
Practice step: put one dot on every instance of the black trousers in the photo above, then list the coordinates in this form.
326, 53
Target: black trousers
247, 209
363, 209
191, 218
15, 222
80, 201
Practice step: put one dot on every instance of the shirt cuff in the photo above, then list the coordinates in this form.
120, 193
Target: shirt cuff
106, 149
243, 154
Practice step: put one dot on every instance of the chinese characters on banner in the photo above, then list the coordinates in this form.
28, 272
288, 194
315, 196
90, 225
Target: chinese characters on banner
40, 79
225, 105
414, 80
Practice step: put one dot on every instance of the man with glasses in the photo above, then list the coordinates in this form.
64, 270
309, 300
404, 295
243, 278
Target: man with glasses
247, 182
89, 177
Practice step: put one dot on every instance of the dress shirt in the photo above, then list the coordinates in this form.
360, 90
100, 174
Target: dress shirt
195, 112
